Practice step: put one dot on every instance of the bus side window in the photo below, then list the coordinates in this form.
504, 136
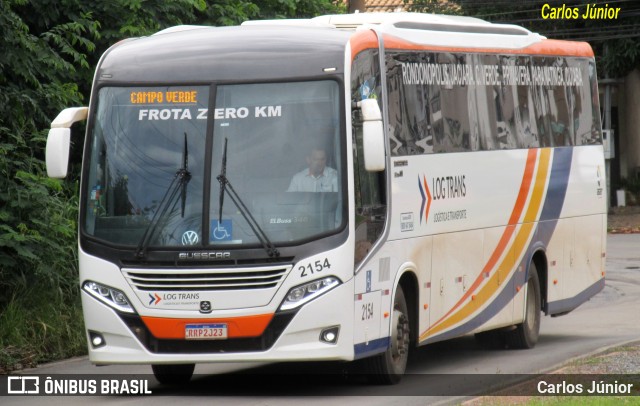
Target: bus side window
586, 110
561, 128
370, 194
593, 99
370, 200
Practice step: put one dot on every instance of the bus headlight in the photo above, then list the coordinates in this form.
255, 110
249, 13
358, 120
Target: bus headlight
305, 293
110, 296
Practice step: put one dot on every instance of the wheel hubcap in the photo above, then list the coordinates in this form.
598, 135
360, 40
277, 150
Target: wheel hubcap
400, 335
531, 307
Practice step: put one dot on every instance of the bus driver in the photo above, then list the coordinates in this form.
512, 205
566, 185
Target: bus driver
318, 177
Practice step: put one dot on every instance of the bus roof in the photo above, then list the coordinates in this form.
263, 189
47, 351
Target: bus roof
428, 29
290, 49
352, 21
203, 54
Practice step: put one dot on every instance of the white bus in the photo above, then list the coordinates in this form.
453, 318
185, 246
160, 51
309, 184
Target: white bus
341, 188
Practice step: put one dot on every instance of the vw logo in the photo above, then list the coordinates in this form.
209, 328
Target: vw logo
190, 238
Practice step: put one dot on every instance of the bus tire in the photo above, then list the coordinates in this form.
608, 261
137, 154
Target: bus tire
525, 335
387, 368
173, 374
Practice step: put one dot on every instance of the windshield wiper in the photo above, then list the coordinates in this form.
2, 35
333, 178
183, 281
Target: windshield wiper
178, 184
225, 186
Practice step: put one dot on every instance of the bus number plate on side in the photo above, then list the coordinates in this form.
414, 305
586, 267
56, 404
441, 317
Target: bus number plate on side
205, 332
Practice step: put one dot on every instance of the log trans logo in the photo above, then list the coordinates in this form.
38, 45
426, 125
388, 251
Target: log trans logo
426, 198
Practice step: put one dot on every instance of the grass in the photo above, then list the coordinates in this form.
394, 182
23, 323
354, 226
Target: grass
39, 325
597, 367
562, 401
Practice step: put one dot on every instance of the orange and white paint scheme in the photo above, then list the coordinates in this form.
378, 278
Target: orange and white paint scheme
469, 197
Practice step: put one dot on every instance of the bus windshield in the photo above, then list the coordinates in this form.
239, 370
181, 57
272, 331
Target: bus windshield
283, 163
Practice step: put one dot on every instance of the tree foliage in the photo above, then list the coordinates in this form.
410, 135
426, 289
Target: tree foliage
616, 42
38, 71
49, 50
37, 219
433, 6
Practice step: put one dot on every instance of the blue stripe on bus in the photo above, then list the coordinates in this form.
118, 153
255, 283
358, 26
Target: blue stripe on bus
551, 209
558, 181
566, 305
372, 347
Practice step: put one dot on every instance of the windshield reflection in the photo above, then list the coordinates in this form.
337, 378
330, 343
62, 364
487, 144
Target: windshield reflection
284, 161
136, 149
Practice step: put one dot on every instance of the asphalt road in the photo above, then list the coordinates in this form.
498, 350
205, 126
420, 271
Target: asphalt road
445, 373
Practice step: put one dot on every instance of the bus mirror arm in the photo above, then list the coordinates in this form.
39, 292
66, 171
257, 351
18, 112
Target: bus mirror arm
373, 135
59, 141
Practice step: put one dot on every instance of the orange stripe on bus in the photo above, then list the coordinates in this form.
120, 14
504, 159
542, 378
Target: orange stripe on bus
525, 185
539, 186
527, 176
519, 244
488, 291
544, 47
368, 40
362, 40
243, 326
508, 262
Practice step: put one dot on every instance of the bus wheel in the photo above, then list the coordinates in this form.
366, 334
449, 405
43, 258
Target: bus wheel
526, 333
387, 368
173, 374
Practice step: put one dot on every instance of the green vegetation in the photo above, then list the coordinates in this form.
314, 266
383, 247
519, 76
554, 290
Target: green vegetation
49, 51
613, 365
616, 43
38, 288
561, 401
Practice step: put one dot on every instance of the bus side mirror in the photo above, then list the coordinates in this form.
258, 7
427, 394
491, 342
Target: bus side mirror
59, 141
57, 155
372, 135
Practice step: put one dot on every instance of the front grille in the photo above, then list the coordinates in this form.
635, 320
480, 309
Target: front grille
205, 279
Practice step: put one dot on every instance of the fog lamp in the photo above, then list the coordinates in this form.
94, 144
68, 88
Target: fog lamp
330, 335
96, 339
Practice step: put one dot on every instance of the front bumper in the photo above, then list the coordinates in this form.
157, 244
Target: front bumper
289, 336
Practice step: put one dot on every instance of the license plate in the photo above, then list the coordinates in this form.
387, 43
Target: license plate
205, 332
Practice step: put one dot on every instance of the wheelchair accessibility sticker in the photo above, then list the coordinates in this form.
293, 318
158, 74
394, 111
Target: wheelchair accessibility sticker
221, 231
